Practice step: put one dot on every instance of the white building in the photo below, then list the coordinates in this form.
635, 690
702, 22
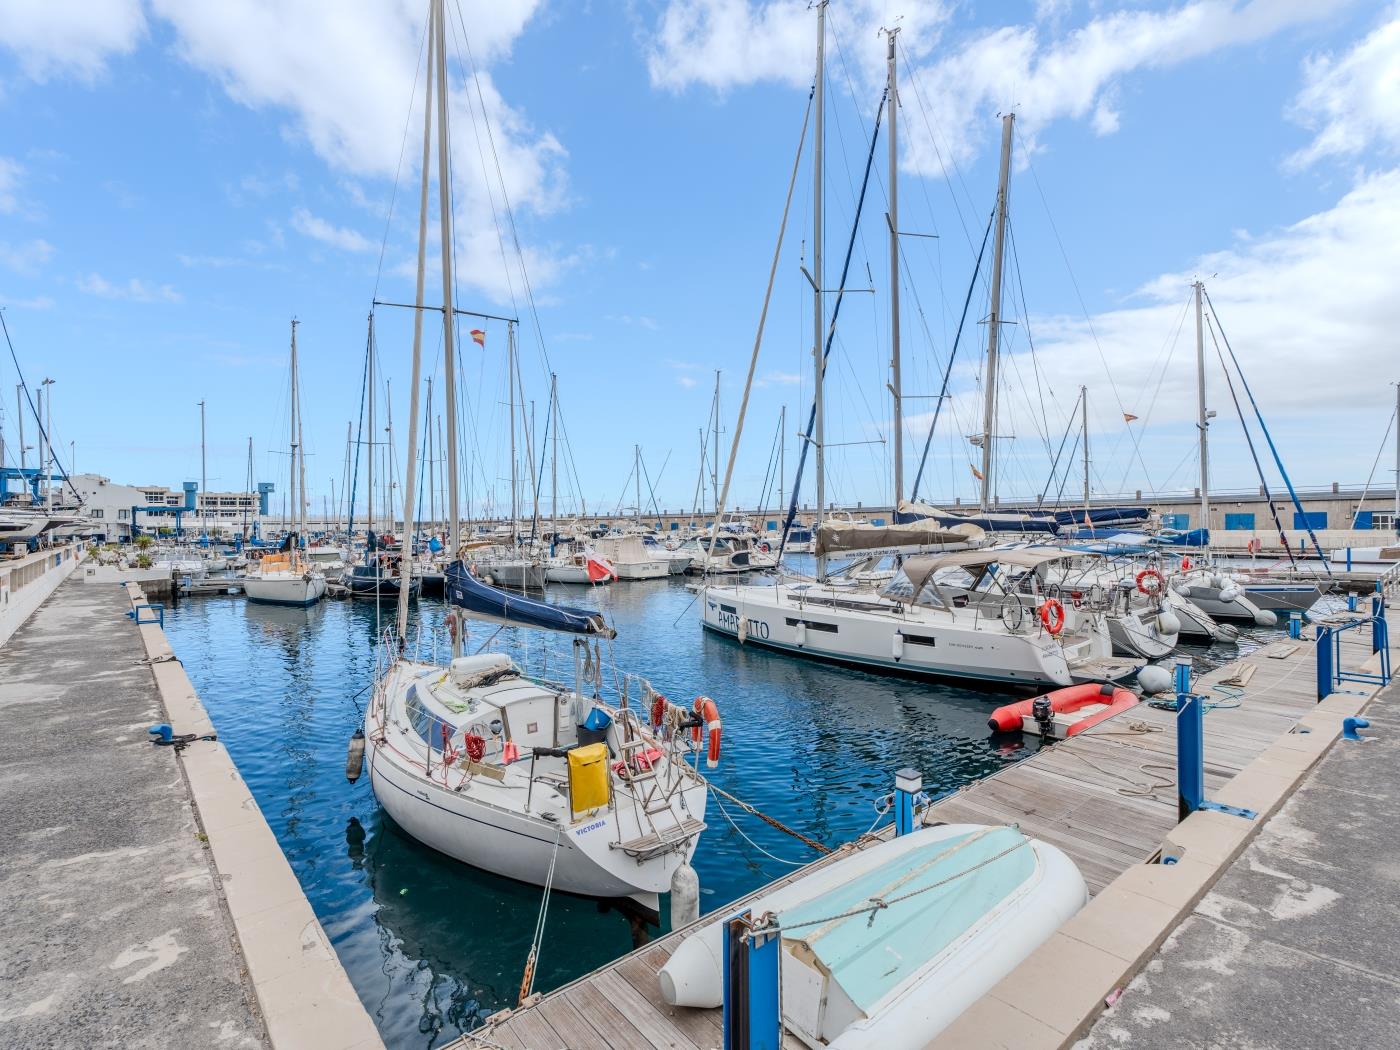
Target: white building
111, 507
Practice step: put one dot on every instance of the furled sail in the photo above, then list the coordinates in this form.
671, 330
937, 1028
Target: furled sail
481, 602
910, 512
836, 537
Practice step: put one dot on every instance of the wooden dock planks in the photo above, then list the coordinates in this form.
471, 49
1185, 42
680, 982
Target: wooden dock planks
1106, 797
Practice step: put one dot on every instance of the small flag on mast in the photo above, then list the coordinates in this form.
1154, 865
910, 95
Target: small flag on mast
478, 337
1128, 417
976, 473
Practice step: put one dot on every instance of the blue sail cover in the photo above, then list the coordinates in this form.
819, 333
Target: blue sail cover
1102, 516
987, 522
491, 603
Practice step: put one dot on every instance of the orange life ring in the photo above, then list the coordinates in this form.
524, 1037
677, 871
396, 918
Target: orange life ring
708, 710
1185, 564
1052, 615
1150, 574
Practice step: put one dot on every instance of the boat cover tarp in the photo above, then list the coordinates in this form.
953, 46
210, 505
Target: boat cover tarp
1102, 516
491, 603
870, 959
836, 537
919, 570
910, 512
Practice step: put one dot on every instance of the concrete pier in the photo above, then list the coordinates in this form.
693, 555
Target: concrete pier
144, 901
1294, 947
113, 930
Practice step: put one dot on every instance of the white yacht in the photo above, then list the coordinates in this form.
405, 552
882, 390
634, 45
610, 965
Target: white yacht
632, 559
284, 578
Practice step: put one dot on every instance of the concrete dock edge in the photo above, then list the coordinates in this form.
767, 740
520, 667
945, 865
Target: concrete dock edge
304, 994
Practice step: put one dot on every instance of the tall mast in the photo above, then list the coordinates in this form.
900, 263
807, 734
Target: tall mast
345, 490
714, 460
514, 471
1084, 421
989, 411
203, 463
369, 460
1202, 417
896, 388
431, 463
554, 458
248, 505
19, 414
301, 446
1395, 521
637, 469
782, 454
406, 544
292, 440
449, 344
818, 290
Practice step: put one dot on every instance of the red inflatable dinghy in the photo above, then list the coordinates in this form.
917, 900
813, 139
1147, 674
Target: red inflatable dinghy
1067, 711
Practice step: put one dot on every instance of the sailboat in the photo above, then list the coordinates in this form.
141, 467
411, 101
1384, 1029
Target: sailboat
527, 777
916, 625
286, 578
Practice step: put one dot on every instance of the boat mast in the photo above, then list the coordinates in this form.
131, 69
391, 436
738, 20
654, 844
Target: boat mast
203, 464
449, 345
514, 469
554, 459
1395, 521
989, 411
1202, 416
429, 464
896, 388
1084, 423
301, 447
637, 470
291, 518
818, 307
406, 543
369, 460
714, 460
248, 503
782, 454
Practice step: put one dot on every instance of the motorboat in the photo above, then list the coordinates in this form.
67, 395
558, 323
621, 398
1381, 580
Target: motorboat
631, 559
886, 947
917, 626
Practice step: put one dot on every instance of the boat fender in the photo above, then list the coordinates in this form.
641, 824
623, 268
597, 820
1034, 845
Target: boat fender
1229, 593
1155, 587
355, 758
1168, 623
1226, 632
1052, 615
1154, 679
708, 710
1265, 618
685, 896
801, 633
743, 629
898, 646
510, 752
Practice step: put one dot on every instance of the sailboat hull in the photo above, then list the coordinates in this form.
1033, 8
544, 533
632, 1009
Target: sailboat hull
291, 590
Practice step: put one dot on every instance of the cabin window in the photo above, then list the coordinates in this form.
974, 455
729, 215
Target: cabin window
813, 625
920, 639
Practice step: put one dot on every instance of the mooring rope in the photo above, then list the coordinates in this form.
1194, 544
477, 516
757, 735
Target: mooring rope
527, 979
771, 820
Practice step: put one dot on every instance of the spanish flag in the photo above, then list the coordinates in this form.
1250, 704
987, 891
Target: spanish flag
976, 473
1128, 417
478, 337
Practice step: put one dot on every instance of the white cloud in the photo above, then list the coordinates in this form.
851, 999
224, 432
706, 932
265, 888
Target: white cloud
345, 73
52, 37
27, 257
39, 302
686, 381
1352, 103
133, 290
327, 233
1044, 73
10, 172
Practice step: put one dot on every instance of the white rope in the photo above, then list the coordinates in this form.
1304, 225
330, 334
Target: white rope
532, 960
755, 845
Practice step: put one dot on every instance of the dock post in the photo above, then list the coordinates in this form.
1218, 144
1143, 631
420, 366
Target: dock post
1190, 756
1351, 603
1378, 631
752, 1003
1325, 673
907, 785
1295, 624
1182, 680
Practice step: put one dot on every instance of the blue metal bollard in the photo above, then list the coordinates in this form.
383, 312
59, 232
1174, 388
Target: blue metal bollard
753, 1013
1295, 624
162, 730
1378, 630
1190, 756
1351, 603
1325, 679
1350, 727
1182, 677
907, 785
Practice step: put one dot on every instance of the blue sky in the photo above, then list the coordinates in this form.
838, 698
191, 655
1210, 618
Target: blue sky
177, 181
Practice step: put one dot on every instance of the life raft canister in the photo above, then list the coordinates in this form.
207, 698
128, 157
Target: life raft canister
708, 710
1052, 615
1150, 574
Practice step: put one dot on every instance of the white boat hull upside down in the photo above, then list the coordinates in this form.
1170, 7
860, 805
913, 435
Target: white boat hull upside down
965, 904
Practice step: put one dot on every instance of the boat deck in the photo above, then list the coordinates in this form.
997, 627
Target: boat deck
1107, 797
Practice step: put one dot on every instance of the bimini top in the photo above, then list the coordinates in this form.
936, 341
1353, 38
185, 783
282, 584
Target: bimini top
491, 603
950, 886
918, 571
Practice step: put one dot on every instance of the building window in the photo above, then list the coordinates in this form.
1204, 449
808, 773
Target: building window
1310, 519
1381, 519
1240, 521
95, 513
121, 515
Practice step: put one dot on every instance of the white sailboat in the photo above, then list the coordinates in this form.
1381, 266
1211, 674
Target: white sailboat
286, 578
526, 777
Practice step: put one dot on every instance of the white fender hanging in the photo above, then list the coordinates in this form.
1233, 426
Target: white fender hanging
801, 633
898, 646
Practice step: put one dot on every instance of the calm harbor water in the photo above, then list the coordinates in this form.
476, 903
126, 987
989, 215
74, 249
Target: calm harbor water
433, 946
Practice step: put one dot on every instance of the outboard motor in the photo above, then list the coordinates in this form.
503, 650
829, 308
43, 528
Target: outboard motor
1044, 716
